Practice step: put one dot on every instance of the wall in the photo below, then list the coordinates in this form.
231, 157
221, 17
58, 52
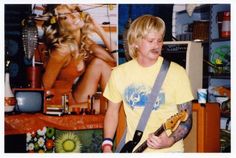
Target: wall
133, 11
14, 14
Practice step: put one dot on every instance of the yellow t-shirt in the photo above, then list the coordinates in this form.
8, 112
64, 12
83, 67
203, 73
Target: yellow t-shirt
131, 83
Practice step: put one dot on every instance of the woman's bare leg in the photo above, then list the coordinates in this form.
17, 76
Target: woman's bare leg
97, 72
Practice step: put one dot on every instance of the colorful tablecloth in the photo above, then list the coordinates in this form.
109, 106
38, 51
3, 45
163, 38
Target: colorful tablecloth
24, 123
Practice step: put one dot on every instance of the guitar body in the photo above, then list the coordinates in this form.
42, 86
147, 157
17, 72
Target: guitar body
128, 147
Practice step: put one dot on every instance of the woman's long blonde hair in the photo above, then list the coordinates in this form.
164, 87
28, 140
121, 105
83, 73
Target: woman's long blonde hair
140, 27
55, 36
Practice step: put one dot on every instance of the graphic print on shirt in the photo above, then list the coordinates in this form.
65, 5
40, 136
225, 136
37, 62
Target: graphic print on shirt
136, 95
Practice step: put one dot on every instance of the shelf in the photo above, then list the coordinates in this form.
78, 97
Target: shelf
225, 114
200, 9
219, 76
221, 40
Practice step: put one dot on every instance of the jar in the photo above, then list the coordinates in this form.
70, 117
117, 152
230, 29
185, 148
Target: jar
9, 98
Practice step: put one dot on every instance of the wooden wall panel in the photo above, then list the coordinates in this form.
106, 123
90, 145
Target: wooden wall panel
205, 133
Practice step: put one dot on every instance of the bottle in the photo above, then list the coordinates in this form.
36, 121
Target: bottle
9, 98
89, 104
225, 32
65, 103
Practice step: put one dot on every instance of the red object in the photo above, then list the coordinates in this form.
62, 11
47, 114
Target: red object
10, 101
76, 110
49, 144
225, 32
34, 76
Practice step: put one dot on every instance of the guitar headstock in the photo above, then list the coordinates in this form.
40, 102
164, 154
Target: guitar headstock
173, 122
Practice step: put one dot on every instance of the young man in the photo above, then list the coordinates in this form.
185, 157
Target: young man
131, 83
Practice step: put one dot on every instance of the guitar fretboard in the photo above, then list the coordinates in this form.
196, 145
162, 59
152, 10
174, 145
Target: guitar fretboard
143, 146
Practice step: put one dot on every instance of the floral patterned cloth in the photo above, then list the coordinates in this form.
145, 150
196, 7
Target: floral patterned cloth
41, 141
51, 140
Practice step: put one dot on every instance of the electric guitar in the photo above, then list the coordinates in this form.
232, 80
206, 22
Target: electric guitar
172, 123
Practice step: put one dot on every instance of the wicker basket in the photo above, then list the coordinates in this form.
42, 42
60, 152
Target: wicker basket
200, 30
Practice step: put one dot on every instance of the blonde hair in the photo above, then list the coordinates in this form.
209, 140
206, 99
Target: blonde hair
56, 36
140, 27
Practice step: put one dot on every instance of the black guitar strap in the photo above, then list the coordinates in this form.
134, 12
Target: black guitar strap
148, 108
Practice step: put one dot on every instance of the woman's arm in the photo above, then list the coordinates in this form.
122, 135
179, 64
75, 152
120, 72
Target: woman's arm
111, 46
99, 51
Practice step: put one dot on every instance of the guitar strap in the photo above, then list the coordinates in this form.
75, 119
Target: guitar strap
148, 108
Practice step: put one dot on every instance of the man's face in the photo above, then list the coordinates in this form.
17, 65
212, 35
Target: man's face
149, 47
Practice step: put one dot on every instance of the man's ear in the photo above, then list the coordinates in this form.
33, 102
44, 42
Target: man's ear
135, 45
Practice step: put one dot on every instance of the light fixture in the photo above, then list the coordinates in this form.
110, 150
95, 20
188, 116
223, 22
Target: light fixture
190, 8
29, 37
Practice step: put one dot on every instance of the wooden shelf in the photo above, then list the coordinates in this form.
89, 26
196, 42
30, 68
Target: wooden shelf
109, 28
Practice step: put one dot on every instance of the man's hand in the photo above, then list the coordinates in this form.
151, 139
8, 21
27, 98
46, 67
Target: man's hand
107, 149
159, 142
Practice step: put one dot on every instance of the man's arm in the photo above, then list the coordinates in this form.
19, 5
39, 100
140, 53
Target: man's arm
184, 127
163, 141
111, 122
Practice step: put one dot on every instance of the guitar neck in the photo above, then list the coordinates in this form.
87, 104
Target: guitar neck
143, 146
